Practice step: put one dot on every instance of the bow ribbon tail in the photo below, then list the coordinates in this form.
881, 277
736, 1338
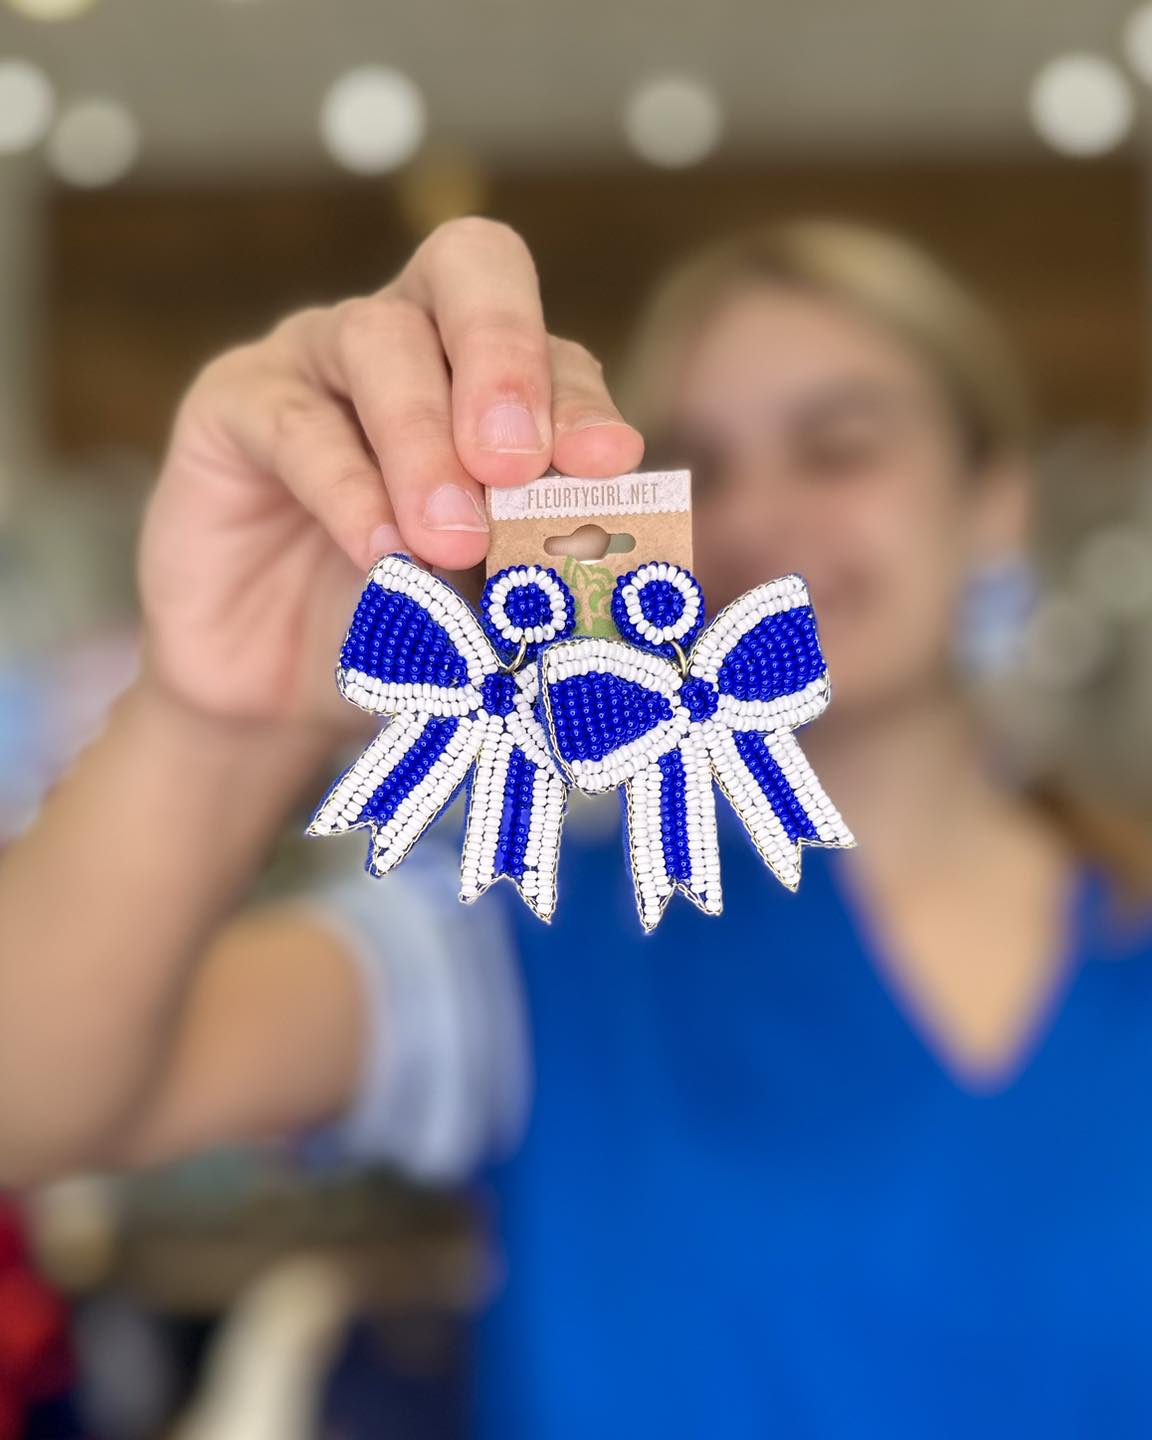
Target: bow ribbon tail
671, 818
515, 814
400, 784
770, 785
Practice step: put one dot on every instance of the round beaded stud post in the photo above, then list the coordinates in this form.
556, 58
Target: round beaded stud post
523, 608
660, 608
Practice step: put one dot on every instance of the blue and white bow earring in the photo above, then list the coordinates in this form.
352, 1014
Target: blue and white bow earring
662, 720
462, 695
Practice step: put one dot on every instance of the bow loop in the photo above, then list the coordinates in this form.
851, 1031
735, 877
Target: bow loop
413, 644
610, 710
763, 658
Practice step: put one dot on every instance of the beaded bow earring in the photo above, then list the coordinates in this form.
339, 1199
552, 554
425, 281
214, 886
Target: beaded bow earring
663, 720
462, 696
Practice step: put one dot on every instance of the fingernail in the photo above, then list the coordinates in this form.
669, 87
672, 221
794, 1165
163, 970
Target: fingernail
509, 426
453, 508
383, 541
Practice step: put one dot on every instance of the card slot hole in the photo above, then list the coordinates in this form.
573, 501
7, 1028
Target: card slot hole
589, 543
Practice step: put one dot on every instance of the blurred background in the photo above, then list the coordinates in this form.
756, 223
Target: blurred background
175, 176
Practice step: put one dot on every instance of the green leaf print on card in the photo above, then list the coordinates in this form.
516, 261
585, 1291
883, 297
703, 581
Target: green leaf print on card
591, 587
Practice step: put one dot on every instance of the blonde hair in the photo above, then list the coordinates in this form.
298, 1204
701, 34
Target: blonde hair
878, 276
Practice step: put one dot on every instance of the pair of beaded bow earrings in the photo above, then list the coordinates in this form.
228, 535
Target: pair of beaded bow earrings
521, 710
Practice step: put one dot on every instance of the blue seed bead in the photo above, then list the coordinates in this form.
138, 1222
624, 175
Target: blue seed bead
762, 766
674, 816
394, 639
414, 767
595, 714
515, 816
660, 602
527, 605
778, 656
498, 693
699, 698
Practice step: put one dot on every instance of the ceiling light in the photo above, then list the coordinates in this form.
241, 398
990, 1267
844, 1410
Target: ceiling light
1081, 104
1138, 41
26, 104
673, 120
373, 119
95, 142
50, 9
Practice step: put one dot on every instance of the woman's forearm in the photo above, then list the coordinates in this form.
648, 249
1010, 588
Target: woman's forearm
109, 901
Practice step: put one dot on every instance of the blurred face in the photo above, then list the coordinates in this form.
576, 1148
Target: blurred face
820, 445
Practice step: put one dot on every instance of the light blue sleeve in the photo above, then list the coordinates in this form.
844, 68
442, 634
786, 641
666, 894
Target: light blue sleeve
445, 1076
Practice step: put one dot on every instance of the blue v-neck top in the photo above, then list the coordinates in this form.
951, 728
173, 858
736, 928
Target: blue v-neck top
752, 1202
